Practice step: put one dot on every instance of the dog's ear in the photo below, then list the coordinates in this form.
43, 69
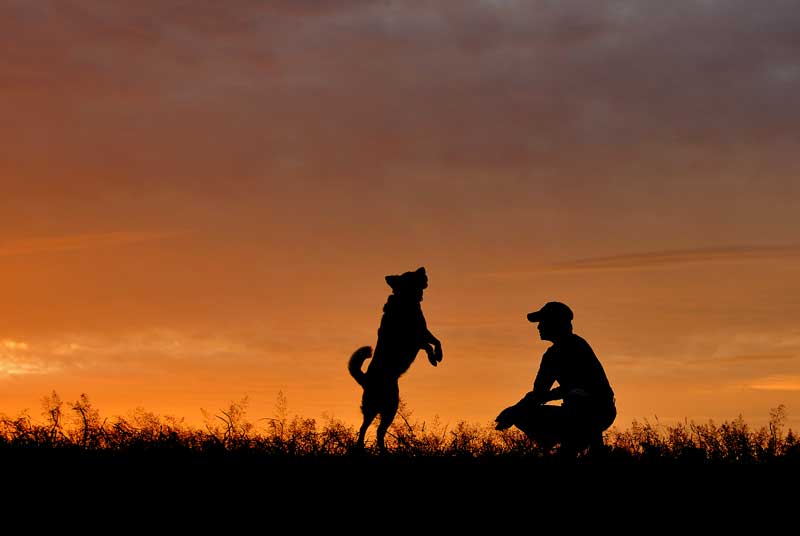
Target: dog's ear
393, 281
422, 278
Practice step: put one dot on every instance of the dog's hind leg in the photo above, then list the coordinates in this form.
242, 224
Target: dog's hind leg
369, 416
387, 416
383, 427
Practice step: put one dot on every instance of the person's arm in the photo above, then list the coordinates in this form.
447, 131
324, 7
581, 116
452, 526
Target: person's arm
556, 393
545, 378
544, 396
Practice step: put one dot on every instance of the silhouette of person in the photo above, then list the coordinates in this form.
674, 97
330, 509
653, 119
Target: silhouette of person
588, 405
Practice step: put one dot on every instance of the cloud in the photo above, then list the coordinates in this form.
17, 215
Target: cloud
656, 260
777, 383
56, 244
146, 352
564, 65
594, 103
665, 259
18, 359
733, 356
753, 358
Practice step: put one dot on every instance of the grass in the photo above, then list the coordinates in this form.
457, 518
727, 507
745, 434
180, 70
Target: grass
252, 472
77, 431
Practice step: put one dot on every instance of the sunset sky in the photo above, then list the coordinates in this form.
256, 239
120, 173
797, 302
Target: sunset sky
200, 200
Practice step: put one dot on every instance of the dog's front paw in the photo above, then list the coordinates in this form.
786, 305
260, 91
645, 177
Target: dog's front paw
437, 354
431, 355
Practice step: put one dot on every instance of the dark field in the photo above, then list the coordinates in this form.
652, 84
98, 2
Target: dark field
281, 462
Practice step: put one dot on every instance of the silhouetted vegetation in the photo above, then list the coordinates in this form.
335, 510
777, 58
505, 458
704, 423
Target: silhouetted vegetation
78, 428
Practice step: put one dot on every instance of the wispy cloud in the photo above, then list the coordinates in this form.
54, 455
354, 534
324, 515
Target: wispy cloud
17, 359
662, 259
752, 358
145, 352
54, 244
655, 260
777, 383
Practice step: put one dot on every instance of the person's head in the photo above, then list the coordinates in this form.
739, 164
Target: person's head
554, 319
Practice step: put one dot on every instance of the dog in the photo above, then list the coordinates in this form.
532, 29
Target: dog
402, 334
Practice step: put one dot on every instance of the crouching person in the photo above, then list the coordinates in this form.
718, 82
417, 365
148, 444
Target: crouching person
588, 405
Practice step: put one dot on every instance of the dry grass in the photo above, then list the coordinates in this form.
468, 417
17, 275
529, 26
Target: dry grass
78, 428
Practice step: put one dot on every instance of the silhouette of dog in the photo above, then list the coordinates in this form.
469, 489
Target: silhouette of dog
402, 334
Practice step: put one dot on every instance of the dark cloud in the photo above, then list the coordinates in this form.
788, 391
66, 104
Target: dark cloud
605, 103
581, 72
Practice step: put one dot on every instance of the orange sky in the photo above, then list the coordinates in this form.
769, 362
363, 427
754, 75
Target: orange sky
201, 200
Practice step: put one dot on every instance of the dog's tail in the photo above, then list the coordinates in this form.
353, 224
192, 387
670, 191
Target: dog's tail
355, 363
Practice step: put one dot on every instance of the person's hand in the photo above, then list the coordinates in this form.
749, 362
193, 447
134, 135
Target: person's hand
506, 419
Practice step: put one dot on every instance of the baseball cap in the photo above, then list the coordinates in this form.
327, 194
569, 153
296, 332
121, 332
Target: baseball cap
552, 311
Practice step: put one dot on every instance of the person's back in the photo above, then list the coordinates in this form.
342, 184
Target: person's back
574, 365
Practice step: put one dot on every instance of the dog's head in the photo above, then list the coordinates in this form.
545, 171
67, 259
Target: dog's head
409, 283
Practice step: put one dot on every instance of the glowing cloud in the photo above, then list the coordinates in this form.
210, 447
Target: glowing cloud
53, 244
661, 259
777, 383
16, 359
